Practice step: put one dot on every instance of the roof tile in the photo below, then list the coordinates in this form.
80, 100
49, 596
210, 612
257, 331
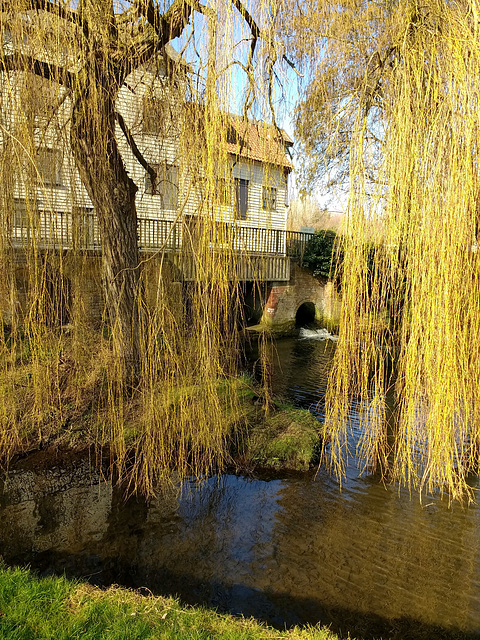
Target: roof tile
259, 141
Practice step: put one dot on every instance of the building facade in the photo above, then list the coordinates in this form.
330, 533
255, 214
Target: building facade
49, 201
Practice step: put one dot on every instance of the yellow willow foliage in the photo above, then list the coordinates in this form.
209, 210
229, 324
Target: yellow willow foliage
99, 115
411, 295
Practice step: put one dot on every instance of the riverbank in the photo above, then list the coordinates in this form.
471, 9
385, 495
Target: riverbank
54, 608
200, 427
285, 439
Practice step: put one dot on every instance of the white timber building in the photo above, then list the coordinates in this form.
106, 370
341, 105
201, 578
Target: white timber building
50, 202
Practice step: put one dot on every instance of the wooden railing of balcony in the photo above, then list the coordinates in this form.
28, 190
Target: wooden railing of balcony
62, 231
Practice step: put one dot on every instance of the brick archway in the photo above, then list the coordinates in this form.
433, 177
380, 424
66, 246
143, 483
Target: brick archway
285, 299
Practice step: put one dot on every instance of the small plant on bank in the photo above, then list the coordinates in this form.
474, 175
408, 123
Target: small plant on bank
285, 440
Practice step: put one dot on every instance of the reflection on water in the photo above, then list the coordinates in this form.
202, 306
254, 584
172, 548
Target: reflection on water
367, 560
301, 369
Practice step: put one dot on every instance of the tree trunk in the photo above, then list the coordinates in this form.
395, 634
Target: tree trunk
112, 193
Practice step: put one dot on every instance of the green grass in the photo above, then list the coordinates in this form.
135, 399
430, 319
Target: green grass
288, 439
58, 609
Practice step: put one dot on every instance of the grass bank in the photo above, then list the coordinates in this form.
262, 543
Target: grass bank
58, 609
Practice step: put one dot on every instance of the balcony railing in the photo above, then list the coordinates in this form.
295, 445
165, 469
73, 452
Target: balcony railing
61, 231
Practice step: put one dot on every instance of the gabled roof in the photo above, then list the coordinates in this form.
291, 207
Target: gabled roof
251, 140
259, 141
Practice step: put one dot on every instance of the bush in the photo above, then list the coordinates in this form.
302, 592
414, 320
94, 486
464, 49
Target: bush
320, 253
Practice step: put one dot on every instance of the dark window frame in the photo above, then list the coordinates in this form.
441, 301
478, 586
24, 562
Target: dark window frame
269, 203
20, 215
152, 115
224, 192
49, 166
241, 198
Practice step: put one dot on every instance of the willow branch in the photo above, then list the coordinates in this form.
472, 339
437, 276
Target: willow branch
153, 16
177, 17
171, 24
255, 31
242, 10
158, 31
291, 65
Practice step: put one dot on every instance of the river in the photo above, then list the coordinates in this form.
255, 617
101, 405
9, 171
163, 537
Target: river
368, 560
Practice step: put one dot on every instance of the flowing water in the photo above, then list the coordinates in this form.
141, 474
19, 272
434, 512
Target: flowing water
368, 560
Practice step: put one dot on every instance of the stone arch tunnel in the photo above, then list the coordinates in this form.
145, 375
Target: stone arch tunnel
305, 315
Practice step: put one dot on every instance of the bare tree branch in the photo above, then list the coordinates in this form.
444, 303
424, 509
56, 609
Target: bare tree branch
171, 24
158, 31
247, 17
177, 17
256, 32
135, 150
47, 70
207, 11
140, 50
254, 29
154, 17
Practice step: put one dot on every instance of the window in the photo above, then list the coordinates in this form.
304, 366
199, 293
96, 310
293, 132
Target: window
166, 185
7, 38
241, 198
191, 231
269, 199
20, 218
49, 166
43, 101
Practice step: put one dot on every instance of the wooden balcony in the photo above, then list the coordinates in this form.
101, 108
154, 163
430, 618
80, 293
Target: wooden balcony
261, 254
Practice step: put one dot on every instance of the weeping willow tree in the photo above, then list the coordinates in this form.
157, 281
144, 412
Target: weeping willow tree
390, 107
69, 74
